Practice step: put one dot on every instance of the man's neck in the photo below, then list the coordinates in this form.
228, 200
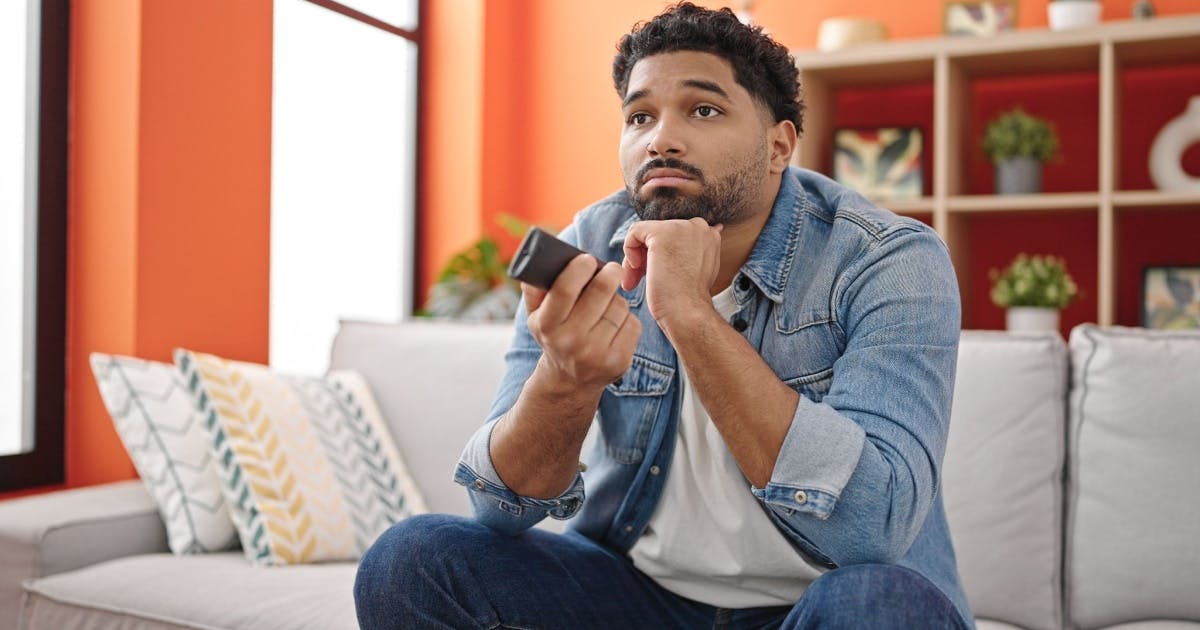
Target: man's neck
737, 241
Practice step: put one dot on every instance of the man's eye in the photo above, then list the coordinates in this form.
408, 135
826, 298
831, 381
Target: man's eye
707, 111
639, 118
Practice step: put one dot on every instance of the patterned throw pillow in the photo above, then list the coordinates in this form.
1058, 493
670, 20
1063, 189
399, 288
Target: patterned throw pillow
168, 443
307, 464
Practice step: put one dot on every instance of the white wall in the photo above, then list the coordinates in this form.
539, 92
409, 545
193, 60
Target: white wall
13, 93
342, 178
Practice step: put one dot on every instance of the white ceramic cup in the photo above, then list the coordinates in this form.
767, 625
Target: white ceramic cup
1066, 14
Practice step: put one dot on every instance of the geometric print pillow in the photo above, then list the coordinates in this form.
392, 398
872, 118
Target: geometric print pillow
166, 439
307, 466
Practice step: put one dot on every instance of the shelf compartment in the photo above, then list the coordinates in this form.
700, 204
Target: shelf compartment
1023, 203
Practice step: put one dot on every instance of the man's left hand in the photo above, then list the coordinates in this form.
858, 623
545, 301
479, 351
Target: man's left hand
679, 260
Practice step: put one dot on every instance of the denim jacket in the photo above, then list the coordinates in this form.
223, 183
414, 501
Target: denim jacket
856, 309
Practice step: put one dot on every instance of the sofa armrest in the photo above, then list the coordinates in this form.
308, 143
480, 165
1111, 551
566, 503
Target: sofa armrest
65, 530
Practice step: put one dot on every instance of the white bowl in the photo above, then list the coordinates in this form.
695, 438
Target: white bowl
1066, 14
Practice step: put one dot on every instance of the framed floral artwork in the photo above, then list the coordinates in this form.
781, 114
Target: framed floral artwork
978, 18
882, 163
1171, 297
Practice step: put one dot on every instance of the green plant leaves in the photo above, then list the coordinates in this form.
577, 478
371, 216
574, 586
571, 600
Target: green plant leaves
1033, 281
1017, 134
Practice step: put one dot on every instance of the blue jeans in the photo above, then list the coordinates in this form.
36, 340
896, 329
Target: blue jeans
441, 571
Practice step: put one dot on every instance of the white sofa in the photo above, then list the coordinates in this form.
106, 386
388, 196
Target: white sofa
1072, 484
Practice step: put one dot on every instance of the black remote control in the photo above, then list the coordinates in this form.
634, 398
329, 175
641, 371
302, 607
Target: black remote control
540, 258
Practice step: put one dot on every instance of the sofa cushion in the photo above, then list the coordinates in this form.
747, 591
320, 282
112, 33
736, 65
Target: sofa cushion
200, 591
308, 466
1002, 475
166, 439
1134, 473
432, 406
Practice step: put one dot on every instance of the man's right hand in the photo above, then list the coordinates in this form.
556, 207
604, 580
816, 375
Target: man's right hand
584, 327
588, 336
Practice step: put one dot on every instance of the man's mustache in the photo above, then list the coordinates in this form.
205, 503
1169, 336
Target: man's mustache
673, 163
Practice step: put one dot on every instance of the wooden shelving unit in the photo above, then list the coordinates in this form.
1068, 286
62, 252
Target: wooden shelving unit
951, 65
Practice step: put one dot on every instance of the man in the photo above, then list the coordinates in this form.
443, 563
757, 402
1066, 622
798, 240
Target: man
768, 361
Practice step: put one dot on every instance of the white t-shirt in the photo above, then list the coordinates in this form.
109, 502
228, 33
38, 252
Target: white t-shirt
709, 539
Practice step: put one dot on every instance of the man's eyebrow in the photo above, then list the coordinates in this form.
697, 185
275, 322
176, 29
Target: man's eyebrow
708, 86
634, 96
699, 84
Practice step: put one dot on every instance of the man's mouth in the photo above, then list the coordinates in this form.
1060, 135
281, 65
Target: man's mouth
665, 177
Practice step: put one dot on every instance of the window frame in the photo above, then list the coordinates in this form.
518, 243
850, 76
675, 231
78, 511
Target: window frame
44, 464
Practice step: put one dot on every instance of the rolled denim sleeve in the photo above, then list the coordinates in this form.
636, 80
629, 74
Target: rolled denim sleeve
493, 502
497, 506
859, 471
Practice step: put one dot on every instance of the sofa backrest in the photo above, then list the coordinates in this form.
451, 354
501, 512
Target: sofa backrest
434, 382
1133, 503
1002, 475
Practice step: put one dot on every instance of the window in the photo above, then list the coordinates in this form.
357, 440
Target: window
343, 171
33, 192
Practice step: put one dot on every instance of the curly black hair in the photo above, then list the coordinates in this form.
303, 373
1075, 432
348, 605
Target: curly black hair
760, 64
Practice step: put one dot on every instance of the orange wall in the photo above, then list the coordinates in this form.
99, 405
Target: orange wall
169, 179
169, 196
551, 117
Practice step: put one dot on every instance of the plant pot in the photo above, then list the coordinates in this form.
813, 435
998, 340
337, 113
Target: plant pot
1019, 176
1031, 319
1067, 14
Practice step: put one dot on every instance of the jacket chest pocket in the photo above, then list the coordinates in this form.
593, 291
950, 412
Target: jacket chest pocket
629, 407
803, 358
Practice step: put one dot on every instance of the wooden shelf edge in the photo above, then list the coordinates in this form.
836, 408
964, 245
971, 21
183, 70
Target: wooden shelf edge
1132, 199
924, 205
1023, 203
908, 51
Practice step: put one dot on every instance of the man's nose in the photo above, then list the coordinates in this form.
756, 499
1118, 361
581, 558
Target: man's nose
666, 139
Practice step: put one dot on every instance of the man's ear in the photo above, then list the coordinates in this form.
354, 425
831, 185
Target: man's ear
781, 138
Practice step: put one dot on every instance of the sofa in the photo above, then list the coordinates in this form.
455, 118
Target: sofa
1071, 481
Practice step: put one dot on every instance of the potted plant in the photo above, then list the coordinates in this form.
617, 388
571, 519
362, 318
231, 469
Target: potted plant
474, 284
1066, 14
1017, 143
1034, 289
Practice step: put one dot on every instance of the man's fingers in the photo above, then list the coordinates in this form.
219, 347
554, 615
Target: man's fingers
561, 298
533, 297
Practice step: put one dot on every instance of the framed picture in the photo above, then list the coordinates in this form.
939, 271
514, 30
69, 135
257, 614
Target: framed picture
1171, 297
983, 17
881, 163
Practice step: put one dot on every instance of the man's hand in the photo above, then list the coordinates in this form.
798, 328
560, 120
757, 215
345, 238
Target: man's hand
588, 336
585, 329
679, 260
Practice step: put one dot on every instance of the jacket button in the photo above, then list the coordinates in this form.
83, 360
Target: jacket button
744, 283
628, 528
479, 484
740, 325
801, 497
654, 470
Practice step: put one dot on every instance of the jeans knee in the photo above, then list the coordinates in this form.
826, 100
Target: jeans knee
873, 595
394, 567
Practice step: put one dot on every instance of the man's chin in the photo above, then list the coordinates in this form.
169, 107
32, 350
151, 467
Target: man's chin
662, 207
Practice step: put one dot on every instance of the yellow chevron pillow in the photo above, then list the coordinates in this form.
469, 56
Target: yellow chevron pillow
307, 464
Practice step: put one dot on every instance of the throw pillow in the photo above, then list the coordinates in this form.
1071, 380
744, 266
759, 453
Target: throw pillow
308, 468
168, 443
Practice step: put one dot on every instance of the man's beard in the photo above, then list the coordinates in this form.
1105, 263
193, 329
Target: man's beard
726, 201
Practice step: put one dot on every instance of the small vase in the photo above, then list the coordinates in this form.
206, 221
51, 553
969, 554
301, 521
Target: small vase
1031, 319
1166, 154
1019, 176
1067, 14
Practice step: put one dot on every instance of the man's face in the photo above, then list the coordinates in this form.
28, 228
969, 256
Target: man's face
694, 142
